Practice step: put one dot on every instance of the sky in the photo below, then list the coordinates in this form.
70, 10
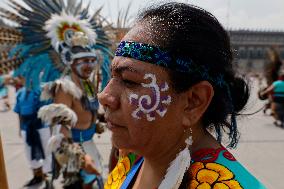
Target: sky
253, 14
236, 14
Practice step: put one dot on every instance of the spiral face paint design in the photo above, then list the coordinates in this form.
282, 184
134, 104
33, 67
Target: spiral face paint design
149, 105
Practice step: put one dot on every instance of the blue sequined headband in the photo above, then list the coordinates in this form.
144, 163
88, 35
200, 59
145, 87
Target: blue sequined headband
151, 54
157, 56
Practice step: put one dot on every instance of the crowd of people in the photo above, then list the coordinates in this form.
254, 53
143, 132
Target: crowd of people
172, 98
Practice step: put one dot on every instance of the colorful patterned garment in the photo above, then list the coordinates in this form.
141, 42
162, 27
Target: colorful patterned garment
278, 91
218, 169
121, 170
210, 169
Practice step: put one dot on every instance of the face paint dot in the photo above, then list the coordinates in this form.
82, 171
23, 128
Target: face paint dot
134, 102
139, 113
152, 114
161, 108
163, 97
163, 85
167, 100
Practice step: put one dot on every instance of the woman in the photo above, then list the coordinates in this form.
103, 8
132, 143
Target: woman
173, 82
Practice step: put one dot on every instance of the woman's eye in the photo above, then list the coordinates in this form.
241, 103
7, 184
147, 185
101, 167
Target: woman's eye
129, 83
126, 82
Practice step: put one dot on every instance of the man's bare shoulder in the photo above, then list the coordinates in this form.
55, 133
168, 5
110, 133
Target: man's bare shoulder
62, 85
63, 97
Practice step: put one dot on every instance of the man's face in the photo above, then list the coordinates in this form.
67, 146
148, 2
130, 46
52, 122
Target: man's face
84, 66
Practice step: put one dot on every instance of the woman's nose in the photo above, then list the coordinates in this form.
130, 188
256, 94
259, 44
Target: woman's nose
109, 98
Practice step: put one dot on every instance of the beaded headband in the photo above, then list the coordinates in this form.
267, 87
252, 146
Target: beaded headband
157, 56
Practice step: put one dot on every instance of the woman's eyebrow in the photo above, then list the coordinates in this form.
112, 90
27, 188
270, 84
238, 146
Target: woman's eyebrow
121, 69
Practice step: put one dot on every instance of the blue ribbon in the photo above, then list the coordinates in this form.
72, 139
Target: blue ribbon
132, 174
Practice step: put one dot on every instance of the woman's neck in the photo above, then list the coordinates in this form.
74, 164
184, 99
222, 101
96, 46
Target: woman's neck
155, 166
204, 140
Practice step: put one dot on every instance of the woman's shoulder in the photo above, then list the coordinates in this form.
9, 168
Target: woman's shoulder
218, 168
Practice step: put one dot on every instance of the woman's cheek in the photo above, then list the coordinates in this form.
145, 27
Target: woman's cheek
153, 103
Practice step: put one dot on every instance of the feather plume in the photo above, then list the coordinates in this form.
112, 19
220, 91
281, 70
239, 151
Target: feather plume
66, 85
177, 168
9, 64
59, 112
10, 30
37, 7
55, 23
57, 61
54, 143
85, 11
32, 33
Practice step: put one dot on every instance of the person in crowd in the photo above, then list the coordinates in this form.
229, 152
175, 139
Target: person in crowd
34, 133
275, 93
4, 92
271, 75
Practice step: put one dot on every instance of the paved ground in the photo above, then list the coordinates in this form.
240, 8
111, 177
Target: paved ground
261, 148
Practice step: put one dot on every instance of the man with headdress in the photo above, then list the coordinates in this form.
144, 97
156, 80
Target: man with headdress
78, 92
56, 39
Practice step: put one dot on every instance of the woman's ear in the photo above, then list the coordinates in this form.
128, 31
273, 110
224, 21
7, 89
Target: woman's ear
197, 100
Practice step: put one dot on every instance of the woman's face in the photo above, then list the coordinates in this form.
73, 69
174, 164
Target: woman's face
142, 109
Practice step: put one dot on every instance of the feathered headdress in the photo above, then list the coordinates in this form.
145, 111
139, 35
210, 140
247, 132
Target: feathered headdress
44, 34
68, 31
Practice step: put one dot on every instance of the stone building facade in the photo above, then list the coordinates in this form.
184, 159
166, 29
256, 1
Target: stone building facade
251, 47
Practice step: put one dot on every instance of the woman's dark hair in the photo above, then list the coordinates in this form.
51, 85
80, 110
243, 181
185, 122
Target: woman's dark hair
190, 32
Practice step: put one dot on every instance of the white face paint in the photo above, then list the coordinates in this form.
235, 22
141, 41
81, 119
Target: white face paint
150, 105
